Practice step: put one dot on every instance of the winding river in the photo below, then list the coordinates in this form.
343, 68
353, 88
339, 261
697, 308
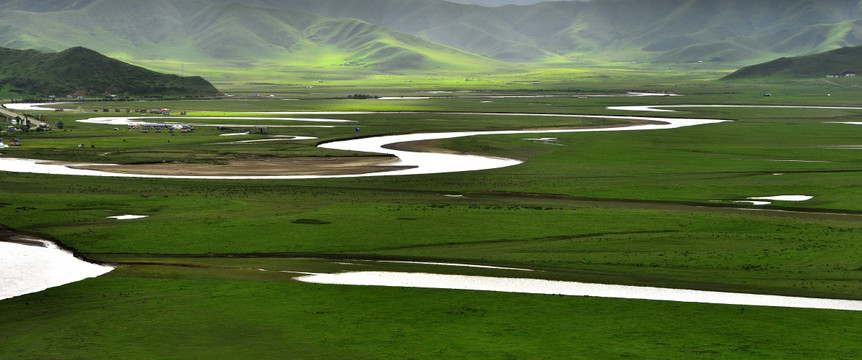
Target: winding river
14, 283
415, 162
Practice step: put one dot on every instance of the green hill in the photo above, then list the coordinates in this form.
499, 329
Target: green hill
739, 31
217, 38
79, 71
471, 28
835, 62
224, 37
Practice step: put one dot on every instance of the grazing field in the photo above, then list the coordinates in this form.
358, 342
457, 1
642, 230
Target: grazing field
209, 272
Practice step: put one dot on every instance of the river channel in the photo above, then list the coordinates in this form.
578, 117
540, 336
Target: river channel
29, 268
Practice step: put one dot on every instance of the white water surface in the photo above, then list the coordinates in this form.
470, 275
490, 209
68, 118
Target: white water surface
127, 217
753, 202
570, 288
667, 108
159, 120
27, 269
767, 200
32, 106
453, 264
272, 138
783, 198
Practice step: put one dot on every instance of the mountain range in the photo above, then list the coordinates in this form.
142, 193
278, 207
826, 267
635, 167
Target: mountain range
431, 35
164, 34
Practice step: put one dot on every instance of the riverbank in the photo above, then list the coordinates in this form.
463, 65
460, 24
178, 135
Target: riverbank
29, 264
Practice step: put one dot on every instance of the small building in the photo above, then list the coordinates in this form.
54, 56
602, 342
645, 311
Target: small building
166, 111
842, 74
15, 142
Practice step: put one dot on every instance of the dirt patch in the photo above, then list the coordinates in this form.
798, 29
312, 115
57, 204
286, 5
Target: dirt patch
261, 167
8, 235
421, 146
311, 222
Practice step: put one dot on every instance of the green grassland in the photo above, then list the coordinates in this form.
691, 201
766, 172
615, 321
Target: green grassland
247, 314
210, 273
654, 208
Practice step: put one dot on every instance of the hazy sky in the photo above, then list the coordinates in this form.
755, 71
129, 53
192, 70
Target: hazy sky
503, 2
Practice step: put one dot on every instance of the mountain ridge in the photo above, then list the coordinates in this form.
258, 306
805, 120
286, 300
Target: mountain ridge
191, 31
390, 36
604, 28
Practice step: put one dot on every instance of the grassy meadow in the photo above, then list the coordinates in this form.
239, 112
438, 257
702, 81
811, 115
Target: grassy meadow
202, 276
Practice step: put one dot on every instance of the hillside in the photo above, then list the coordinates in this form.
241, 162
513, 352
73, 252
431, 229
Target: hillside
835, 62
216, 38
168, 35
79, 71
667, 31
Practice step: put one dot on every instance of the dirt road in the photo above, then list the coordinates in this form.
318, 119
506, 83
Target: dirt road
7, 112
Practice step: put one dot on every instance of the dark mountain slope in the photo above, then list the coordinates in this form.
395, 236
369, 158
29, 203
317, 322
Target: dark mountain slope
82, 71
833, 62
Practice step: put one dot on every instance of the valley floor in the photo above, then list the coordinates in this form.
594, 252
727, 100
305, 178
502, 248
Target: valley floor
212, 268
